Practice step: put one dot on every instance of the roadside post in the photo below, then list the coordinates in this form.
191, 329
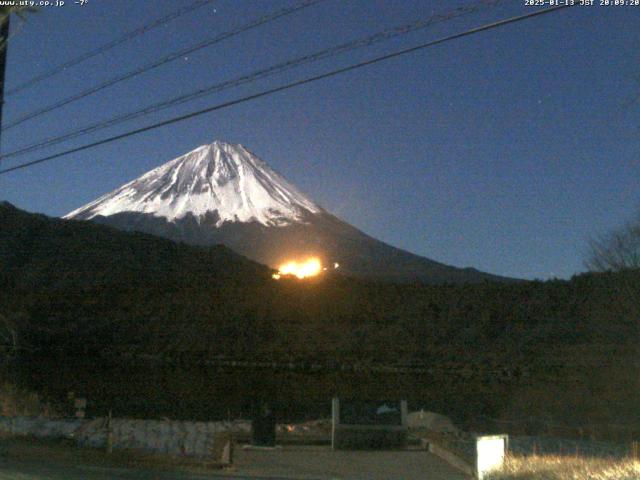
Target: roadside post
109, 434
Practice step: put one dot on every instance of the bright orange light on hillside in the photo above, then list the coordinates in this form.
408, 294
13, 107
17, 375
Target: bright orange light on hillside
307, 268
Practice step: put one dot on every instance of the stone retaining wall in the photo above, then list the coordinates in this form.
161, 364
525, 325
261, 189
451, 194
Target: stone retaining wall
161, 436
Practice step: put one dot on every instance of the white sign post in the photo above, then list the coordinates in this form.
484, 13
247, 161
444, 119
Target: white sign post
490, 453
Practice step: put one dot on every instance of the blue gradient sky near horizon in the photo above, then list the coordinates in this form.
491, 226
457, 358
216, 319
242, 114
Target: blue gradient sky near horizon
504, 151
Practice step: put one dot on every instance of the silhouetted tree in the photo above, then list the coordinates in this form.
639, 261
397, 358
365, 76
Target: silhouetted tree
617, 250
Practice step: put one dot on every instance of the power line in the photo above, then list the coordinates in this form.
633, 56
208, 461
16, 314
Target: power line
288, 86
260, 74
108, 46
164, 60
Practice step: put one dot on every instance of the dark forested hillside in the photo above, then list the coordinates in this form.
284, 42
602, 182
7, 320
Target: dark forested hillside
88, 299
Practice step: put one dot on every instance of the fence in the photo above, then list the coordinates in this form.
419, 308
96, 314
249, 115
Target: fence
594, 431
198, 439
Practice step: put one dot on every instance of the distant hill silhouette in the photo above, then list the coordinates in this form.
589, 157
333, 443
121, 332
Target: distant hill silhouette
141, 324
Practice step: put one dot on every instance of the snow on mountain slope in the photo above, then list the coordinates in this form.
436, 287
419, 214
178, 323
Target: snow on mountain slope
223, 194
220, 177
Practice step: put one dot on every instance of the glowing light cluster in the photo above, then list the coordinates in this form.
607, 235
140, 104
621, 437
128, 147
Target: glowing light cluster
302, 269
307, 268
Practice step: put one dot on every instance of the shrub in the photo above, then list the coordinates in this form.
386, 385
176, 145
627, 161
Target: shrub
553, 467
15, 401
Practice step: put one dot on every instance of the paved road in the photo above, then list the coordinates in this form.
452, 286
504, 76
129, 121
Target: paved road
44, 470
41, 470
290, 463
321, 463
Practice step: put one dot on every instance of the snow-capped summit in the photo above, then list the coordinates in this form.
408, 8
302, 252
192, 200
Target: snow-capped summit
223, 194
221, 177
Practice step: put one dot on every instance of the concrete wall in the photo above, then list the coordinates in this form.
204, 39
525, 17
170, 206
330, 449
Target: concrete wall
161, 436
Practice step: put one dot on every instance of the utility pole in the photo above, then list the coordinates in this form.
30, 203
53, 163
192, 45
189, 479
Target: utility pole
4, 37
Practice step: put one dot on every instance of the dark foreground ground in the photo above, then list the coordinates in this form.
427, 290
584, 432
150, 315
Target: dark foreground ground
26, 459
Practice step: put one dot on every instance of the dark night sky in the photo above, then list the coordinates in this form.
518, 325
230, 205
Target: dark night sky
504, 151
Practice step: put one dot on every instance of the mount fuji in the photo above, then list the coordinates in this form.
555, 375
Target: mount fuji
223, 193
